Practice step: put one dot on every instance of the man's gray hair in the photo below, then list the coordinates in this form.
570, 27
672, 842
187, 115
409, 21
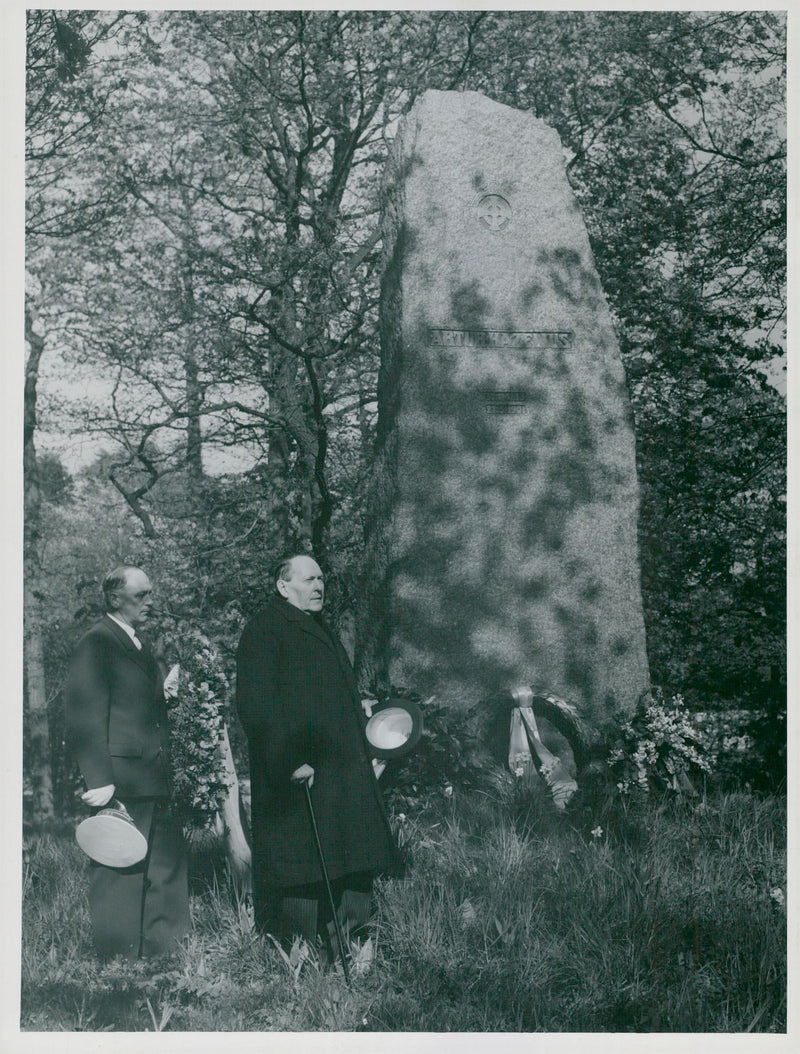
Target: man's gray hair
282, 569
113, 582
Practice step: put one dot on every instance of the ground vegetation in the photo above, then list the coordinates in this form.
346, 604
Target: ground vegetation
202, 275
664, 917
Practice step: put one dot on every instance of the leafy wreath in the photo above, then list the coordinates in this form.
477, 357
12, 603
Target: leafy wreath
197, 718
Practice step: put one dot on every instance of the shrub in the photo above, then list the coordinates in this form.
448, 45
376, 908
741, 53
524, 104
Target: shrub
749, 746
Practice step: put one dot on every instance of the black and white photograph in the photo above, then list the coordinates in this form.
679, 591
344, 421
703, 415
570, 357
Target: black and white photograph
402, 471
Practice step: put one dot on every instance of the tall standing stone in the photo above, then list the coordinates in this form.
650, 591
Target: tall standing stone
503, 543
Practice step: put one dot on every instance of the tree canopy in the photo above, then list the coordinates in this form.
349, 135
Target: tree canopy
203, 273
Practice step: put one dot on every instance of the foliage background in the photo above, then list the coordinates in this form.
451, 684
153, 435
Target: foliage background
202, 274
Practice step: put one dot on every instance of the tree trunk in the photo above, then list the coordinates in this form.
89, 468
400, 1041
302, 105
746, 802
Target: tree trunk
191, 373
296, 429
35, 694
194, 440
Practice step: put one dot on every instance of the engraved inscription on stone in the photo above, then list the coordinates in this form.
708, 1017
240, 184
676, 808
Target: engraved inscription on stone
494, 212
494, 338
503, 401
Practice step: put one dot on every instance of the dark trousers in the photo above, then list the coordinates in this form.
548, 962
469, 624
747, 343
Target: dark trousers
144, 909
304, 910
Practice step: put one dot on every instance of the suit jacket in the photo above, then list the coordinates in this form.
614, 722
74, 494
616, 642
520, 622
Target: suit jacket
297, 701
116, 717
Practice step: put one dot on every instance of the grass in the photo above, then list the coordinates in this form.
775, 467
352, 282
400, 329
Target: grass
510, 919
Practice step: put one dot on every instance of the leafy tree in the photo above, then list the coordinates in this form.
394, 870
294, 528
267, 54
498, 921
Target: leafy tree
252, 226
61, 124
214, 259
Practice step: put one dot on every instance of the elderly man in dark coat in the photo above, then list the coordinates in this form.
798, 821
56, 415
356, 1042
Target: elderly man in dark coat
116, 728
297, 701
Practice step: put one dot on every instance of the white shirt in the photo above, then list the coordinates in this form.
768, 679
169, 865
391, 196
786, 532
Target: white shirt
128, 629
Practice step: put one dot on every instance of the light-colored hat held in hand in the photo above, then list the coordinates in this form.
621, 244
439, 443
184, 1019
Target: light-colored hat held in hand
111, 837
395, 727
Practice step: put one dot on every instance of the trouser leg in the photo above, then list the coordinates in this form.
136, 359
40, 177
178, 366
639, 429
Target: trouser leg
266, 896
143, 909
354, 911
165, 912
115, 897
115, 907
304, 910
353, 897
298, 916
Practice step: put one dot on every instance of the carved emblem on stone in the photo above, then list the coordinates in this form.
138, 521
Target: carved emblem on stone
494, 212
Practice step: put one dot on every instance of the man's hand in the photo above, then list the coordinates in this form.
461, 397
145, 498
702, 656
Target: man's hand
97, 797
171, 682
378, 767
303, 774
367, 705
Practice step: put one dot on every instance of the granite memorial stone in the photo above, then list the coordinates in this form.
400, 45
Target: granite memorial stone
502, 544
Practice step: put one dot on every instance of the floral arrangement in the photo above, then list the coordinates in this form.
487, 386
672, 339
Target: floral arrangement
197, 722
661, 746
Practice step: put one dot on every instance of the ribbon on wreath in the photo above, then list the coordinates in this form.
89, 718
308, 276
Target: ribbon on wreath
525, 748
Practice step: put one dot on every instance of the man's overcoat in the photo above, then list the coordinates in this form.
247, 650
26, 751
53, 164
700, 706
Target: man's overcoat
297, 701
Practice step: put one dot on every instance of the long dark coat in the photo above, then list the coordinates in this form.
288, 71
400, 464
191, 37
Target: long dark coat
296, 698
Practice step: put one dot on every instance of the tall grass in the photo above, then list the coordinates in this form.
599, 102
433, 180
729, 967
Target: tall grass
509, 919
564, 931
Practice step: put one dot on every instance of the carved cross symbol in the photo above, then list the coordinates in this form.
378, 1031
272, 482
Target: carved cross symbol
494, 212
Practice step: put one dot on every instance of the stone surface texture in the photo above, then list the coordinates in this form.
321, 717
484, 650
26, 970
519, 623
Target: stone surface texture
502, 544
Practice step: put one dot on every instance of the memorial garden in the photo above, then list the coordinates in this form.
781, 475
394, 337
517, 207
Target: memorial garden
486, 311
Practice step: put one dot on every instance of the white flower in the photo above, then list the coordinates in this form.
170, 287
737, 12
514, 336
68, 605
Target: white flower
448, 791
777, 896
597, 832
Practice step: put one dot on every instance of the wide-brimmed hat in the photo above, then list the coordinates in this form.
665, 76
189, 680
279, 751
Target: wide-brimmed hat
111, 837
395, 727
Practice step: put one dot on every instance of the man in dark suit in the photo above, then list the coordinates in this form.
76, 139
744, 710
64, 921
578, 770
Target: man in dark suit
296, 699
116, 725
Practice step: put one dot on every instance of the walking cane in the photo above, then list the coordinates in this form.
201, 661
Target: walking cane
336, 922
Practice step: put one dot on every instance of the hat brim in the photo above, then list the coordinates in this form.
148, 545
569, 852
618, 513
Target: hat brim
109, 839
394, 729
